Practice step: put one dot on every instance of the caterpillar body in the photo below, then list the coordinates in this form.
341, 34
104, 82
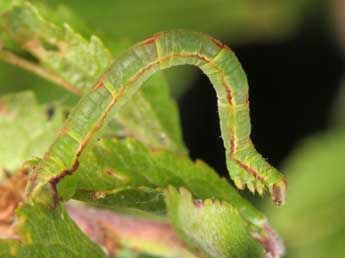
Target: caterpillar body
126, 75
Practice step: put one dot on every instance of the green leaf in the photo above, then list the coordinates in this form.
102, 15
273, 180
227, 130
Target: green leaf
129, 200
237, 20
44, 231
139, 167
115, 164
78, 64
76, 60
131, 254
124, 175
26, 128
317, 189
6, 5
152, 116
213, 227
8, 248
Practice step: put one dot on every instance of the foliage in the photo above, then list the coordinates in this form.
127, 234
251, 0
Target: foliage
45, 231
238, 21
317, 188
137, 165
320, 212
26, 130
118, 174
122, 175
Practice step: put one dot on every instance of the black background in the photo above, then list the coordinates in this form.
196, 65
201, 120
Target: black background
293, 85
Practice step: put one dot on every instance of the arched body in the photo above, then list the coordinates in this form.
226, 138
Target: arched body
125, 76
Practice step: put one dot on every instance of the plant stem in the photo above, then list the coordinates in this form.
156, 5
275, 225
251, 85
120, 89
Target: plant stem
13, 59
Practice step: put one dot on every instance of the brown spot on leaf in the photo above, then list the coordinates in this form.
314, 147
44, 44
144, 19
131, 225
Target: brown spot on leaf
11, 195
63, 48
98, 195
198, 203
116, 174
5, 111
34, 46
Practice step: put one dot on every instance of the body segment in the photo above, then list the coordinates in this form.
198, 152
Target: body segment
128, 73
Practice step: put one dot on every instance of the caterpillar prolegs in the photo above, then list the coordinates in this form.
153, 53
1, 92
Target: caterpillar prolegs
125, 76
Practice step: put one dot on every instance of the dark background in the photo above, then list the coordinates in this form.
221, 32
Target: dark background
293, 85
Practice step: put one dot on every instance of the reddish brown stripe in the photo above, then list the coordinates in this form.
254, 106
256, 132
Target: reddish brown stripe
98, 124
150, 40
229, 98
64, 131
149, 66
217, 42
247, 100
141, 72
232, 146
200, 57
55, 180
100, 83
250, 170
228, 92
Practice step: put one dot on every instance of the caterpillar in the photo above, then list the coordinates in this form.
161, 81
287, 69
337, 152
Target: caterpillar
125, 76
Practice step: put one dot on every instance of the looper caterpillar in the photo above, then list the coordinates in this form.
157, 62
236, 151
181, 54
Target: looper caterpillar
125, 76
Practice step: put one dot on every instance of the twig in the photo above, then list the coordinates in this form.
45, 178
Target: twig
36, 69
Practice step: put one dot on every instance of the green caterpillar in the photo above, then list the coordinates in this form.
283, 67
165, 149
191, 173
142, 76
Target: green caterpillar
125, 76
